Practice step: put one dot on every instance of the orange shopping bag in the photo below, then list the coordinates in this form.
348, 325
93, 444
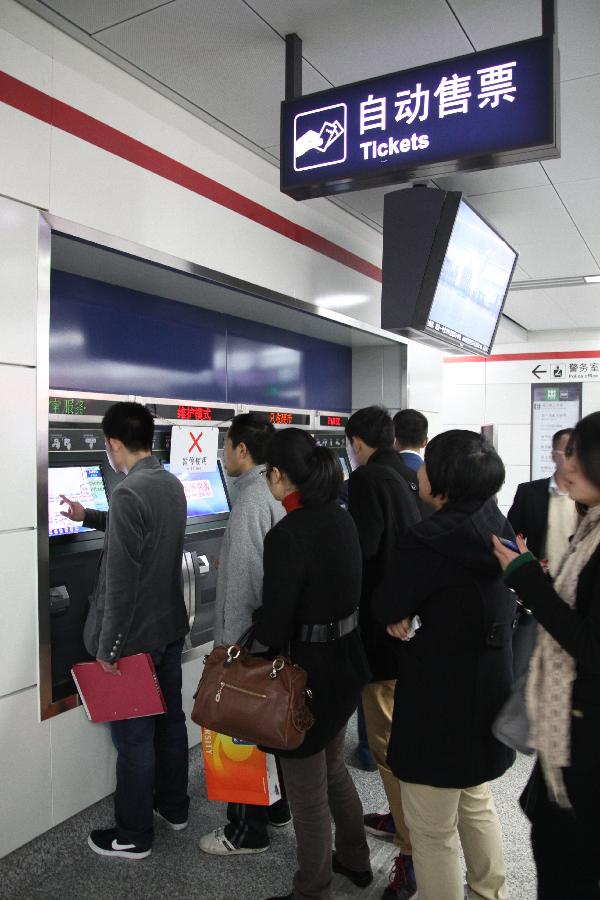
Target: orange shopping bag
238, 772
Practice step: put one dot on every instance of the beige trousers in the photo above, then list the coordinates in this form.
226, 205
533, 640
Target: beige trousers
436, 818
378, 706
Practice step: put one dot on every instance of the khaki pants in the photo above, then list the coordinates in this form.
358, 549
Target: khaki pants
436, 818
378, 706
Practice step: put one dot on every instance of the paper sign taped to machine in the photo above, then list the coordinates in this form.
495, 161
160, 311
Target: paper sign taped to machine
194, 449
238, 772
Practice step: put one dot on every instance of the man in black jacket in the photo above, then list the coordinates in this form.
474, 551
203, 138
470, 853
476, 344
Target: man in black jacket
383, 508
545, 515
137, 606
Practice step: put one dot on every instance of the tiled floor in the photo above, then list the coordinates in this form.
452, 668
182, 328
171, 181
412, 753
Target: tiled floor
60, 866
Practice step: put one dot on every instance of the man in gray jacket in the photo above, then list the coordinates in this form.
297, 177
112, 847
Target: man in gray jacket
239, 593
137, 606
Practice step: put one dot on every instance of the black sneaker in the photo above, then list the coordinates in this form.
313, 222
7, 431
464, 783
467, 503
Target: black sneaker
105, 842
360, 879
175, 825
279, 814
403, 885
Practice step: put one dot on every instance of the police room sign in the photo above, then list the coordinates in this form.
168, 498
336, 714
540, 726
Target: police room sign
475, 111
193, 449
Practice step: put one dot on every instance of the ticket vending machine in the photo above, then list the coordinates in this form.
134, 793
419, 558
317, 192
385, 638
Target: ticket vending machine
329, 432
78, 468
209, 505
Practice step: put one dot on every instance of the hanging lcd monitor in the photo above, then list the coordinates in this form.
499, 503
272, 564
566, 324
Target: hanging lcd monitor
446, 271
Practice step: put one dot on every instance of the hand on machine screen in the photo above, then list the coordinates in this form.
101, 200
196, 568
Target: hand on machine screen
75, 511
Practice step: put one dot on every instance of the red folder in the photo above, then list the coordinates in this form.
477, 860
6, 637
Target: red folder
108, 698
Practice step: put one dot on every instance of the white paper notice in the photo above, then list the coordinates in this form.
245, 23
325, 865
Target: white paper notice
194, 449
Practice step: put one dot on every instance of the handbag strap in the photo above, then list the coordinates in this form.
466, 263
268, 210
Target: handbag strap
245, 640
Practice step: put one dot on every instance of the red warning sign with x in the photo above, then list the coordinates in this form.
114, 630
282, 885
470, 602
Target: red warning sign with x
195, 440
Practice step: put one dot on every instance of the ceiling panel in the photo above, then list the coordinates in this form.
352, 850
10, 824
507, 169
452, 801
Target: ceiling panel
219, 55
580, 131
527, 214
535, 222
557, 257
506, 178
94, 14
536, 310
491, 24
583, 201
227, 59
353, 40
583, 304
579, 38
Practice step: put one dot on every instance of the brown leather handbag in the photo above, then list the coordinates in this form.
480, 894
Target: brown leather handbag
258, 700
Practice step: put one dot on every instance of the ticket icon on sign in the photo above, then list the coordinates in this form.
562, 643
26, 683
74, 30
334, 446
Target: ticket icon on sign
320, 137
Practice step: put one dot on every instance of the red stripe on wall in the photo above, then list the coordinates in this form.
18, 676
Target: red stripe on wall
511, 357
42, 106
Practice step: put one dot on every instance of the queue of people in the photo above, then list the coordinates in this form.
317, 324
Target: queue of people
412, 614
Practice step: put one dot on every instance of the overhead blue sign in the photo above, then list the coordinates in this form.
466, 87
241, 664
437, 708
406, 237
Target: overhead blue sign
471, 112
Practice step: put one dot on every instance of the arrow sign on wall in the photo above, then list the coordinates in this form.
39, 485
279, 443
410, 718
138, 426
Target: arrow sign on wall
538, 372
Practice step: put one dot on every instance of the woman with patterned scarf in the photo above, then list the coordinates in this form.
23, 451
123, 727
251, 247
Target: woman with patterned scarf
562, 799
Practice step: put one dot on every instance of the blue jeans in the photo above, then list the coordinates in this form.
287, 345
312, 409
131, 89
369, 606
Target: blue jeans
152, 758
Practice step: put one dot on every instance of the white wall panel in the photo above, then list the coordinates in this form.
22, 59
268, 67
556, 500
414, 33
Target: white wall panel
425, 377
83, 763
136, 109
464, 373
513, 444
367, 377
25, 785
590, 398
17, 439
18, 611
18, 281
515, 475
24, 140
508, 404
392, 377
464, 403
191, 676
136, 205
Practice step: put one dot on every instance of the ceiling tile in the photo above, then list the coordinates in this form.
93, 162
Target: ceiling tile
557, 257
504, 178
491, 24
582, 199
578, 38
536, 311
526, 214
355, 40
91, 15
220, 56
583, 304
580, 131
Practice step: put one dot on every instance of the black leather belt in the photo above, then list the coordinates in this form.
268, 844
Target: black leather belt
333, 631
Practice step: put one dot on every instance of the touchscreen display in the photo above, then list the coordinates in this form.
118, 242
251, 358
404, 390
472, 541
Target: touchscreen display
345, 467
204, 492
82, 483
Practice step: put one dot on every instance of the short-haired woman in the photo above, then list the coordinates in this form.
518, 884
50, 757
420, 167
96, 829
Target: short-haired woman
311, 589
455, 672
562, 799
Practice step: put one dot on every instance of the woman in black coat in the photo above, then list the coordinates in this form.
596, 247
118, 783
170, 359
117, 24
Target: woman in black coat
562, 799
455, 672
311, 590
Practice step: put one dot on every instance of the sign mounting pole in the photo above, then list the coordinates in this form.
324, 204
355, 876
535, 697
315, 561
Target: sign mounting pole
293, 67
